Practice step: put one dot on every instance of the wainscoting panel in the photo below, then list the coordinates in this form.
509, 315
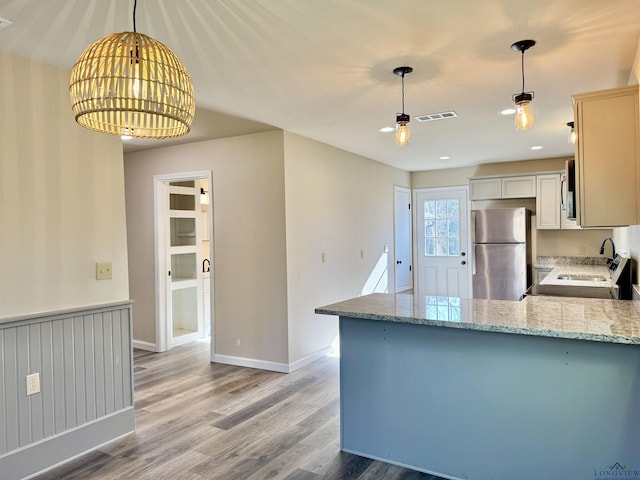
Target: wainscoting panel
84, 358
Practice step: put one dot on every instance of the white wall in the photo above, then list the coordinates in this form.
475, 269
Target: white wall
338, 203
61, 197
249, 264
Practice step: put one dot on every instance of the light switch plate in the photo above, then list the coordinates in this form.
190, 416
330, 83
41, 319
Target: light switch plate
103, 271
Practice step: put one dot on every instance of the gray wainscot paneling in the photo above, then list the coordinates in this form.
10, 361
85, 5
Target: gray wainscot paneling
84, 357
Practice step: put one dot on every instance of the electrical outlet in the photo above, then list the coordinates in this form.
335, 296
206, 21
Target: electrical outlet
33, 383
582, 250
103, 271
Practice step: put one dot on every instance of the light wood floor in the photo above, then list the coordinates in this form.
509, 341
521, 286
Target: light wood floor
198, 420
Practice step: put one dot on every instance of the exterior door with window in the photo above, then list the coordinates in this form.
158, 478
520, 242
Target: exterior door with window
442, 242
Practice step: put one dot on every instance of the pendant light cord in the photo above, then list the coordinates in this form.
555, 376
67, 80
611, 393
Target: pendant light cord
522, 71
135, 4
403, 93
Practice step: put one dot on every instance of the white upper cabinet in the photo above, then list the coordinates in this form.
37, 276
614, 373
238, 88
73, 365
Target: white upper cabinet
548, 202
607, 156
491, 188
485, 188
519, 187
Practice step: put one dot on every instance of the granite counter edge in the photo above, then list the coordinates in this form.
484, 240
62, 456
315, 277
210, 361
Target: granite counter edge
593, 337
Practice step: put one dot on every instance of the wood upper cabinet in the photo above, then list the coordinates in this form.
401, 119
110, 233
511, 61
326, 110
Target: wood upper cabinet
607, 157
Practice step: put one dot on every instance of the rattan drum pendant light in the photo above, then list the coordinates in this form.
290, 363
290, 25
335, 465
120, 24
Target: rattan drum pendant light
130, 84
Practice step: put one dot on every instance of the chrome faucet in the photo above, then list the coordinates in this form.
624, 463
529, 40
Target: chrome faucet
613, 249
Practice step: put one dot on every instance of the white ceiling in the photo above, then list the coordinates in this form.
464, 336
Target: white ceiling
323, 68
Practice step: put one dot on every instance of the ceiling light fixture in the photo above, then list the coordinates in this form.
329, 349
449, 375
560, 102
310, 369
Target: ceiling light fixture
524, 109
130, 84
402, 119
572, 134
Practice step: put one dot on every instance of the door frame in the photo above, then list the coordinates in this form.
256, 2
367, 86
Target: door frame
161, 223
414, 203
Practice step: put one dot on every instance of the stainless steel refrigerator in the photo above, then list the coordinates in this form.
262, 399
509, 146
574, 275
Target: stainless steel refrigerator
501, 253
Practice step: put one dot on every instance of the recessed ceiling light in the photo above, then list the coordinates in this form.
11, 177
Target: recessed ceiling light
508, 111
445, 157
4, 23
386, 129
537, 147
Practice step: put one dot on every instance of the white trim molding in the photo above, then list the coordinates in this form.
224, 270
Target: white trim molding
271, 366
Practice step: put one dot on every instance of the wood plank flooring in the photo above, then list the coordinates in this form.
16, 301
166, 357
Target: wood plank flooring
197, 420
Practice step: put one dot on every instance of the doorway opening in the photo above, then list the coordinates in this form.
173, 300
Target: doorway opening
184, 259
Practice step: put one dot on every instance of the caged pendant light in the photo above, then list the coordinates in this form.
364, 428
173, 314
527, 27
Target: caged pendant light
524, 109
130, 84
402, 119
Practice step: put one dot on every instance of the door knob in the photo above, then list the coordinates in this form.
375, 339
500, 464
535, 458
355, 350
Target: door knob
398, 262
463, 262
463, 254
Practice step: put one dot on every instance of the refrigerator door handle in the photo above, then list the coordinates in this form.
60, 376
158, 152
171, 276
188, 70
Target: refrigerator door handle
473, 260
473, 230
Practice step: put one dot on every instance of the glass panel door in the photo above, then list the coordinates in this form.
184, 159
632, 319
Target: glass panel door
185, 294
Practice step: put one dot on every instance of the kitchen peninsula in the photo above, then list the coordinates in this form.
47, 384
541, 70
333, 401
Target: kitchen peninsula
548, 387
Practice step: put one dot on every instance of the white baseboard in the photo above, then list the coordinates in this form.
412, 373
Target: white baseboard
251, 363
271, 366
308, 359
150, 347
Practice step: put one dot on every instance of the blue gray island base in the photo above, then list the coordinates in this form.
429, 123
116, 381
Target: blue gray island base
483, 405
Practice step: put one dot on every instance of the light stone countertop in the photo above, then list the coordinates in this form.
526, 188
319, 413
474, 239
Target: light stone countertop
595, 270
599, 320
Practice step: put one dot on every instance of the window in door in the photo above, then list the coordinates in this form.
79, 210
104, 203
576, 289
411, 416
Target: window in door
442, 227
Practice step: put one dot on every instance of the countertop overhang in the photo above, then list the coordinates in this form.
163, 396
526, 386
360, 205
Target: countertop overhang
598, 320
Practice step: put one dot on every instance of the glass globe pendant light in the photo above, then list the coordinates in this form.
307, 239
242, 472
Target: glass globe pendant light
402, 119
522, 101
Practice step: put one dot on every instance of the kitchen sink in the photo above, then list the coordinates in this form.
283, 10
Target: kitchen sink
581, 277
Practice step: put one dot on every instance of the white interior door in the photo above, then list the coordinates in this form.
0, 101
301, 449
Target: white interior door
185, 299
442, 242
183, 241
402, 244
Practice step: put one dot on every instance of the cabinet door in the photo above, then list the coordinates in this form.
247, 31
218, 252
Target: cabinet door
519, 187
607, 153
548, 202
485, 189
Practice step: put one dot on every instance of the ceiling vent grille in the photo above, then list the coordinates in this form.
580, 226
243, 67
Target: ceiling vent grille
430, 117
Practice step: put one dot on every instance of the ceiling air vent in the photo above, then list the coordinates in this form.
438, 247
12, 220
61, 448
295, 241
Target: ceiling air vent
4, 23
430, 117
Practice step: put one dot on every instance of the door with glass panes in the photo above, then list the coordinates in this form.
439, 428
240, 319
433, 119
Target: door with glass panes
442, 242
184, 296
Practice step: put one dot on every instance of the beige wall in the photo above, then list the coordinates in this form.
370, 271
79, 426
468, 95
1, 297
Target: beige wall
61, 197
249, 264
341, 204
